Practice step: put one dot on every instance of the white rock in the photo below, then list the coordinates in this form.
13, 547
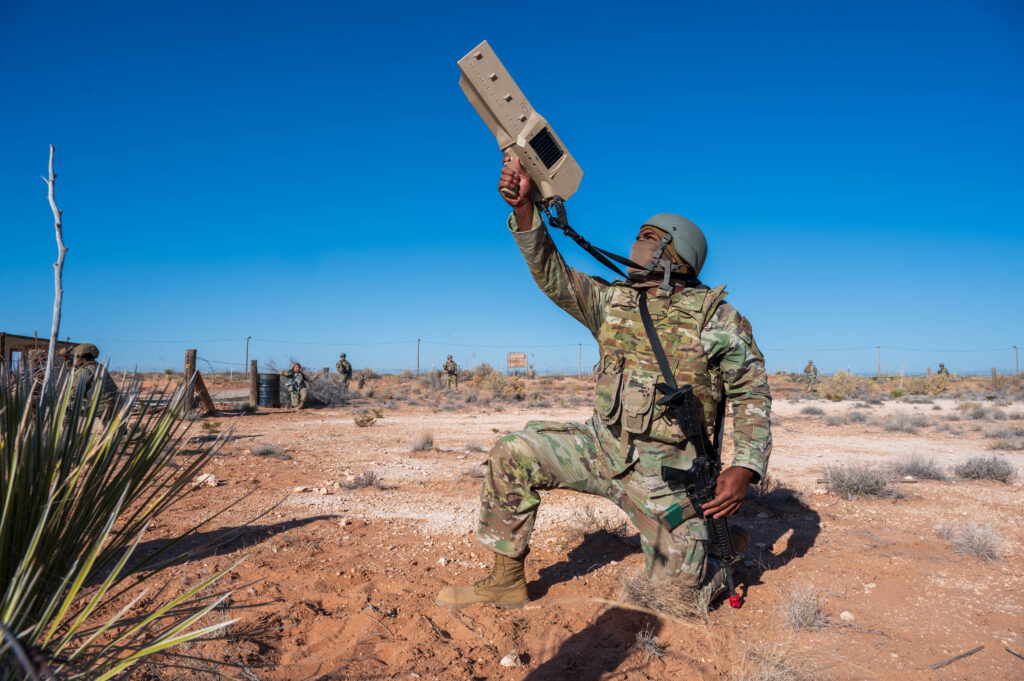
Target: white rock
819, 491
206, 480
301, 488
442, 561
321, 490
511, 660
846, 616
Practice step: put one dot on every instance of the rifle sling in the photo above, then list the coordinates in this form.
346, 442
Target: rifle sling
666, 370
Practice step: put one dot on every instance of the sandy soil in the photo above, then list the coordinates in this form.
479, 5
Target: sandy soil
339, 583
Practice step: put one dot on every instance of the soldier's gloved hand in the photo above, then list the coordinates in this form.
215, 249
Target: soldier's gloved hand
518, 180
729, 492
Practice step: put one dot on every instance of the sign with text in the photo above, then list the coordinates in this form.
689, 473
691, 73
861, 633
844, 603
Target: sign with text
517, 360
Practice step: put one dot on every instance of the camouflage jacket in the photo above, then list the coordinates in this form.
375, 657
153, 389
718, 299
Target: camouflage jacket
297, 380
343, 367
450, 367
709, 344
82, 378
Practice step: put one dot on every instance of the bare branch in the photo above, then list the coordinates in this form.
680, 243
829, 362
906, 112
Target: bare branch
58, 274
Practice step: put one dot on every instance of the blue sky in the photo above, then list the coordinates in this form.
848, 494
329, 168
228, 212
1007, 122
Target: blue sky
310, 174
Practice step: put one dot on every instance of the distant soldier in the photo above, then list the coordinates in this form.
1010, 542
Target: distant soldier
811, 376
85, 372
297, 384
451, 372
943, 371
345, 369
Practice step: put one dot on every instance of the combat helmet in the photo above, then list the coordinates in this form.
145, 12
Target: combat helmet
86, 351
688, 240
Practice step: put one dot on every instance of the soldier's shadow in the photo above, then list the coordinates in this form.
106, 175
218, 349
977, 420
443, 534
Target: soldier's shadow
782, 528
596, 550
600, 649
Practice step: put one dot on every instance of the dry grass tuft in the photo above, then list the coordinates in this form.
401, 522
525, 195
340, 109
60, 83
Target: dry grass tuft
584, 521
812, 411
980, 541
475, 447
647, 641
265, 449
772, 662
803, 609
423, 442
919, 467
668, 596
986, 468
904, 423
364, 420
855, 480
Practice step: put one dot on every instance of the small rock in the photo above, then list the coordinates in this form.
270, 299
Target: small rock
461, 456
846, 616
760, 545
321, 490
511, 660
301, 488
819, 491
442, 561
206, 480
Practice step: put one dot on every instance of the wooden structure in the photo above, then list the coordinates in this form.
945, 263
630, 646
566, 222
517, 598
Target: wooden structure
199, 386
11, 343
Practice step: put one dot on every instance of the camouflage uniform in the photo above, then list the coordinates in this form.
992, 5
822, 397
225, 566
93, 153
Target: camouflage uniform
943, 371
619, 452
297, 387
345, 370
82, 379
451, 373
810, 377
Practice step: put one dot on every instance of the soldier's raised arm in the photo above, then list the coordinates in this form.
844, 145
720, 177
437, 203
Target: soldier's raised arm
578, 294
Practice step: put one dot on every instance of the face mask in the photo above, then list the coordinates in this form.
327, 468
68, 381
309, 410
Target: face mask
641, 253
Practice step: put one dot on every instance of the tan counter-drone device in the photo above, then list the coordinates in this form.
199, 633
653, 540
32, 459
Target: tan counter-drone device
521, 132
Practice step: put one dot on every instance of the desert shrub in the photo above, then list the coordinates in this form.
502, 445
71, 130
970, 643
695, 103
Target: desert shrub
265, 449
873, 400
812, 411
897, 392
834, 420
78, 493
927, 385
365, 479
329, 391
855, 480
904, 423
1008, 444
844, 386
986, 468
474, 446
364, 375
803, 608
918, 467
667, 596
980, 541
772, 493
647, 641
433, 381
913, 398
856, 417
423, 441
584, 520
364, 419
482, 370
475, 472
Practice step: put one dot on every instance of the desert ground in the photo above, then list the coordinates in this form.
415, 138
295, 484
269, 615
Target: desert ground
347, 532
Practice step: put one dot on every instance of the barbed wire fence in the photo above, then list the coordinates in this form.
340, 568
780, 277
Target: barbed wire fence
553, 358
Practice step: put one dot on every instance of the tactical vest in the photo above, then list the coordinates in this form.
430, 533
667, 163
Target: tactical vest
628, 371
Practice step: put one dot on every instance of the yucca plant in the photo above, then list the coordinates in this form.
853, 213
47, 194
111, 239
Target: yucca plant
77, 489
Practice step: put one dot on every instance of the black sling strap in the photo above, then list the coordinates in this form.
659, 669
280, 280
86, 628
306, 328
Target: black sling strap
666, 370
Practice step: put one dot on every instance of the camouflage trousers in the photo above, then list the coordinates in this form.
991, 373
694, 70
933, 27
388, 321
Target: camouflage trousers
452, 381
298, 397
811, 381
548, 455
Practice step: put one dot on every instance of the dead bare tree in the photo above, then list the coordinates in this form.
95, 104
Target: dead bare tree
58, 274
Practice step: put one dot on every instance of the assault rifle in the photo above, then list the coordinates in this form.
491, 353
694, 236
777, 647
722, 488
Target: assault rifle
700, 480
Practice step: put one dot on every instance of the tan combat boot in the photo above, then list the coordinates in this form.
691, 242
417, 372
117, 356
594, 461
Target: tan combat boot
505, 587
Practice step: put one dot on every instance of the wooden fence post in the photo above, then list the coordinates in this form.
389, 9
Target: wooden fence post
254, 385
190, 370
